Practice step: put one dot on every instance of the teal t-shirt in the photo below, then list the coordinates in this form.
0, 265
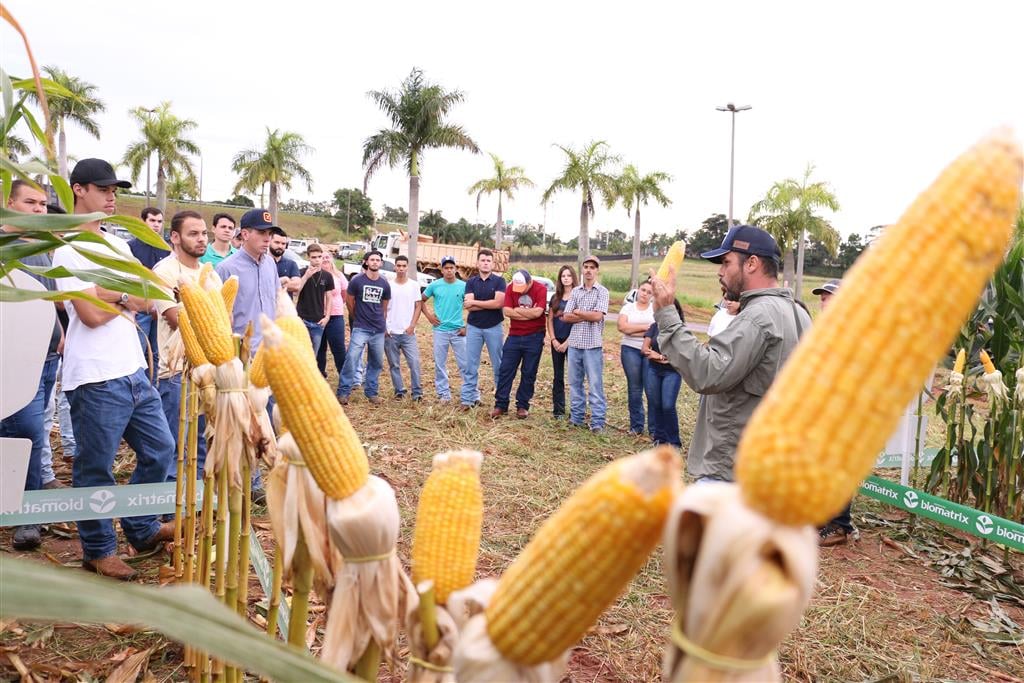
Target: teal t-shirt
212, 257
448, 299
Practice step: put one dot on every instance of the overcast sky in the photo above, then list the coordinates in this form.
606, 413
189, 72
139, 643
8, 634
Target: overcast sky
877, 95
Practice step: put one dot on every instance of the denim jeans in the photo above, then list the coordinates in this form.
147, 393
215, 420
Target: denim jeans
170, 397
442, 340
558, 383
662, 388
373, 342
148, 338
46, 474
103, 412
334, 339
524, 350
316, 335
635, 366
476, 338
587, 364
396, 346
27, 423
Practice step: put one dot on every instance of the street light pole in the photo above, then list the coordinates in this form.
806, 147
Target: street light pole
732, 108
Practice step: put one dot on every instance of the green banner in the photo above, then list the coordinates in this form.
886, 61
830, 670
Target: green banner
980, 524
94, 502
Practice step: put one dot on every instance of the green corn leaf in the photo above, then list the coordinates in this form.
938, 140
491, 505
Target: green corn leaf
105, 279
139, 229
48, 222
17, 295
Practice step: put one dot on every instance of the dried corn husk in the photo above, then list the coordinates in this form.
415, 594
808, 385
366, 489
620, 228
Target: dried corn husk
232, 440
739, 585
203, 377
371, 587
1019, 391
262, 431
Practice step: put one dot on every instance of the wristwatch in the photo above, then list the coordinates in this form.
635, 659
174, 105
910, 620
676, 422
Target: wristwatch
124, 299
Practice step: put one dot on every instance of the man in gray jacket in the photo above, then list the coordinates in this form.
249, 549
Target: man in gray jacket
733, 371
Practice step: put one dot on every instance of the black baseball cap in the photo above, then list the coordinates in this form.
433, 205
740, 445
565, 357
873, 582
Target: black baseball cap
256, 219
98, 172
746, 239
829, 287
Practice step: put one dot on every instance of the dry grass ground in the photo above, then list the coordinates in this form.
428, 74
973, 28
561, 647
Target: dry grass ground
879, 613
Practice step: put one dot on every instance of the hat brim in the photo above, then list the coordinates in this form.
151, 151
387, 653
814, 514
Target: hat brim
818, 291
519, 289
447, 263
107, 182
715, 255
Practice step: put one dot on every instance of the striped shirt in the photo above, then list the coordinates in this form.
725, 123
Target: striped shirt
584, 334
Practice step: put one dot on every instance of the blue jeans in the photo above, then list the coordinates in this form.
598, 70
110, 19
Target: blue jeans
523, 349
442, 340
170, 397
373, 342
334, 339
148, 334
102, 413
316, 334
588, 364
662, 388
27, 423
476, 338
395, 346
635, 366
558, 383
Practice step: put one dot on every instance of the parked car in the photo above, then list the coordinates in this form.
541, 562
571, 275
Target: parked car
548, 284
350, 249
301, 262
299, 246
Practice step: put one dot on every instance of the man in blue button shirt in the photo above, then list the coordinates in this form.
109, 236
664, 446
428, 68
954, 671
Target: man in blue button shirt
257, 275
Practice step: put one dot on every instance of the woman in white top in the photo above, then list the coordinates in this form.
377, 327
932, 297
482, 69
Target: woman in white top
633, 321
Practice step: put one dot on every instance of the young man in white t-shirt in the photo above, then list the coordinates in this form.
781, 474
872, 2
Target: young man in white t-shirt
400, 333
104, 374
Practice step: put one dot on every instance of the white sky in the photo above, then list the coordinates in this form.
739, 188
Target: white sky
878, 95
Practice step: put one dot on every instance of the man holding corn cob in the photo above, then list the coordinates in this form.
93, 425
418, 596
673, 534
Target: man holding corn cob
735, 368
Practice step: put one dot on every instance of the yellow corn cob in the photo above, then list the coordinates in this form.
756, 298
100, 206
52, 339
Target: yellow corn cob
582, 558
329, 445
204, 274
228, 292
193, 350
986, 362
209, 321
816, 434
294, 328
961, 359
446, 542
673, 259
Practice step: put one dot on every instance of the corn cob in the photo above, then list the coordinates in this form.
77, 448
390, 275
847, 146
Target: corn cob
205, 271
329, 445
294, 328
582, 558
209, 321
446, 541
673, 259
986, 362
961, 360
815, 435
193, 350
228, 292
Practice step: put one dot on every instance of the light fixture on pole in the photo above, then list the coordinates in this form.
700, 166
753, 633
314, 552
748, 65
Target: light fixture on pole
732, 108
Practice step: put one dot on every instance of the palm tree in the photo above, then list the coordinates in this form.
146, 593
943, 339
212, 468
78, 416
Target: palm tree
788, 213
586, 170
505, 181
274, 165
632, 190
417, 111
182, 187
79, 108
163, 133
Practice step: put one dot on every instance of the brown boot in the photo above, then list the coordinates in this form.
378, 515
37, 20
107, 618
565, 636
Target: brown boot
112, 566
165, 534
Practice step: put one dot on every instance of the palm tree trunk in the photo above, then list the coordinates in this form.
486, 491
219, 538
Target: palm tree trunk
161, 186
797, 289
788, 268
584, 246
498, 226
414, 218
62, 152
634, 275
273, 202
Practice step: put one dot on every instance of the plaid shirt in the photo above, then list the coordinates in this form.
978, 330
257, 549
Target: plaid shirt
587, 335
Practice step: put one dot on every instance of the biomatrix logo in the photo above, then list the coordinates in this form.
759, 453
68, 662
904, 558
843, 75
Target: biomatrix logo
984, 524
910, 499
102, 501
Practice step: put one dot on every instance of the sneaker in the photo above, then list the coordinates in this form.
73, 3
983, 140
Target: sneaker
27, 537
399, 397
112, 566
597, 430
53, 484
832, 535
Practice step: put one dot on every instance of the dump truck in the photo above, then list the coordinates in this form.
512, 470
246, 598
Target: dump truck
429, 253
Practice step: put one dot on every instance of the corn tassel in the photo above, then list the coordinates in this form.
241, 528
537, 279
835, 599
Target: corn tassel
446, 541
896, 313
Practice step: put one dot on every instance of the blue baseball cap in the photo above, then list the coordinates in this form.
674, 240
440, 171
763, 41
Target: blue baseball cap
445, 260
256, 219
746, 239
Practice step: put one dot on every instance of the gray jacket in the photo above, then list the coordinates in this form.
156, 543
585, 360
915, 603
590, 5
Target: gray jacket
732, 371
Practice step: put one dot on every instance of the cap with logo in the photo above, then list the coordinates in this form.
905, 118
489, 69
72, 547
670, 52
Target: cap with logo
257, 219
521, 281
746, 239
96, 172
829, 287
445, 260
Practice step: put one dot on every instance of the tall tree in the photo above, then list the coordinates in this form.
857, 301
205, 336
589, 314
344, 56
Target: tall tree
634, 190
788, 213
587, 170
276, 165
163, 134
417, 111
354, 208
182, 187
505, 181
79, 108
